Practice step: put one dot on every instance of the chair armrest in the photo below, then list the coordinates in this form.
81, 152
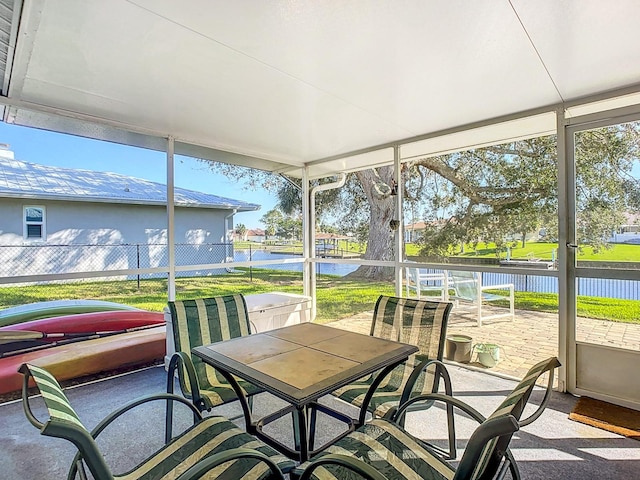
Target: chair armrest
106, 421
452, 282
181, 359
203, 466
449, 400
490, 429
504, 286
25, 398
141, 401
352, 463
379, 376
441, 371
543, 404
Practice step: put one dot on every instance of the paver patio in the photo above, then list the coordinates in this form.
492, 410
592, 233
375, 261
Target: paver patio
529, 338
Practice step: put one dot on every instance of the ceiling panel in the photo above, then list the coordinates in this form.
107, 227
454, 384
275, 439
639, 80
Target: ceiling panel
413, 64
295, 82
588, 46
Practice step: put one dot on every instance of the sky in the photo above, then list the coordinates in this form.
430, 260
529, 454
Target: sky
68, 151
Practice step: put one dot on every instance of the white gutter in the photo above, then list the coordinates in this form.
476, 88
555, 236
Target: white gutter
226, 234
342, 177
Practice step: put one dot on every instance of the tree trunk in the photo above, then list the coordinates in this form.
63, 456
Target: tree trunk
376, 185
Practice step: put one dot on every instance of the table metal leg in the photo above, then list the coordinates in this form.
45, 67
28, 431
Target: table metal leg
301, 433
296, 428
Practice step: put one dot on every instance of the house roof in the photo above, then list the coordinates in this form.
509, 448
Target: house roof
416, 226
330, 86
421, 225
331, 236
29, 180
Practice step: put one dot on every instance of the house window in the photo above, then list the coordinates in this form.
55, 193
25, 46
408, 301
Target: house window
34, 226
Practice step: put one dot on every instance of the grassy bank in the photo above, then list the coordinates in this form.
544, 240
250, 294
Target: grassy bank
337, 297
544, 251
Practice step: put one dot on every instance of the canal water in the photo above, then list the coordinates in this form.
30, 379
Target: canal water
325, 268
592, 287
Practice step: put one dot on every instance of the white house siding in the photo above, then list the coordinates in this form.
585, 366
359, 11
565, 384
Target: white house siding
256, 238
107, 236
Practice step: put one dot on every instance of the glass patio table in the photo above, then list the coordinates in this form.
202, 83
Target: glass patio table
300, 364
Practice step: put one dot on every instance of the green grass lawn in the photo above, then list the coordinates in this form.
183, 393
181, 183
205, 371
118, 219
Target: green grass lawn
337, 297
543, 250
626, 311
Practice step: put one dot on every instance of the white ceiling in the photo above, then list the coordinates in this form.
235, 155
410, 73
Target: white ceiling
285, 83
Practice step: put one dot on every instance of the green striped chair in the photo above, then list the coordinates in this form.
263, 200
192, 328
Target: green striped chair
212, 448
382, 449
200, 322
419, 322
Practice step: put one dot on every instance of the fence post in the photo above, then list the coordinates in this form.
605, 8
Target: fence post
138, 263
250, 267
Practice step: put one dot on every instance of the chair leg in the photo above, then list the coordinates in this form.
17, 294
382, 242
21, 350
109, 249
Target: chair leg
250, 402
452, 432
509, 464
513, 466
168, 425
82, 473
400, 421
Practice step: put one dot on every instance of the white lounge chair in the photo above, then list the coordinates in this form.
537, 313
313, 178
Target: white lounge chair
422, 285
468, 288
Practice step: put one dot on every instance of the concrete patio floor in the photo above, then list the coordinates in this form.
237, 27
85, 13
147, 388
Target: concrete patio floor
529, 338
553, 447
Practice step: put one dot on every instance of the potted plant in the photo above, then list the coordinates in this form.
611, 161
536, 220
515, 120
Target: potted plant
488, 353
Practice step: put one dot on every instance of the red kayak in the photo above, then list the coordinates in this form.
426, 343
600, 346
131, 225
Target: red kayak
91, 322
42, 333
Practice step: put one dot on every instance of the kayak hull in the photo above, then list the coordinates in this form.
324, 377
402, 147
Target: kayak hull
53, 308
91, 322
88, 357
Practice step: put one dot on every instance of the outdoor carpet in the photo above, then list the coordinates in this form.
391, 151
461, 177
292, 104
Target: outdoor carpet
610, 417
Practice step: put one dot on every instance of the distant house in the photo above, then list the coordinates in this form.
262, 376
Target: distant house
250, 235
255, 235
414, 231
55, 220
629, 232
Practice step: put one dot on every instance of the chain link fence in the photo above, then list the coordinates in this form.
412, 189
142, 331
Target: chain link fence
21, 260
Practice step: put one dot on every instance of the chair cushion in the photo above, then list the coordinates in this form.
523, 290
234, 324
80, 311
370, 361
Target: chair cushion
388, 393
210, 436
417, 322
389, 449
223, 393
208, 320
